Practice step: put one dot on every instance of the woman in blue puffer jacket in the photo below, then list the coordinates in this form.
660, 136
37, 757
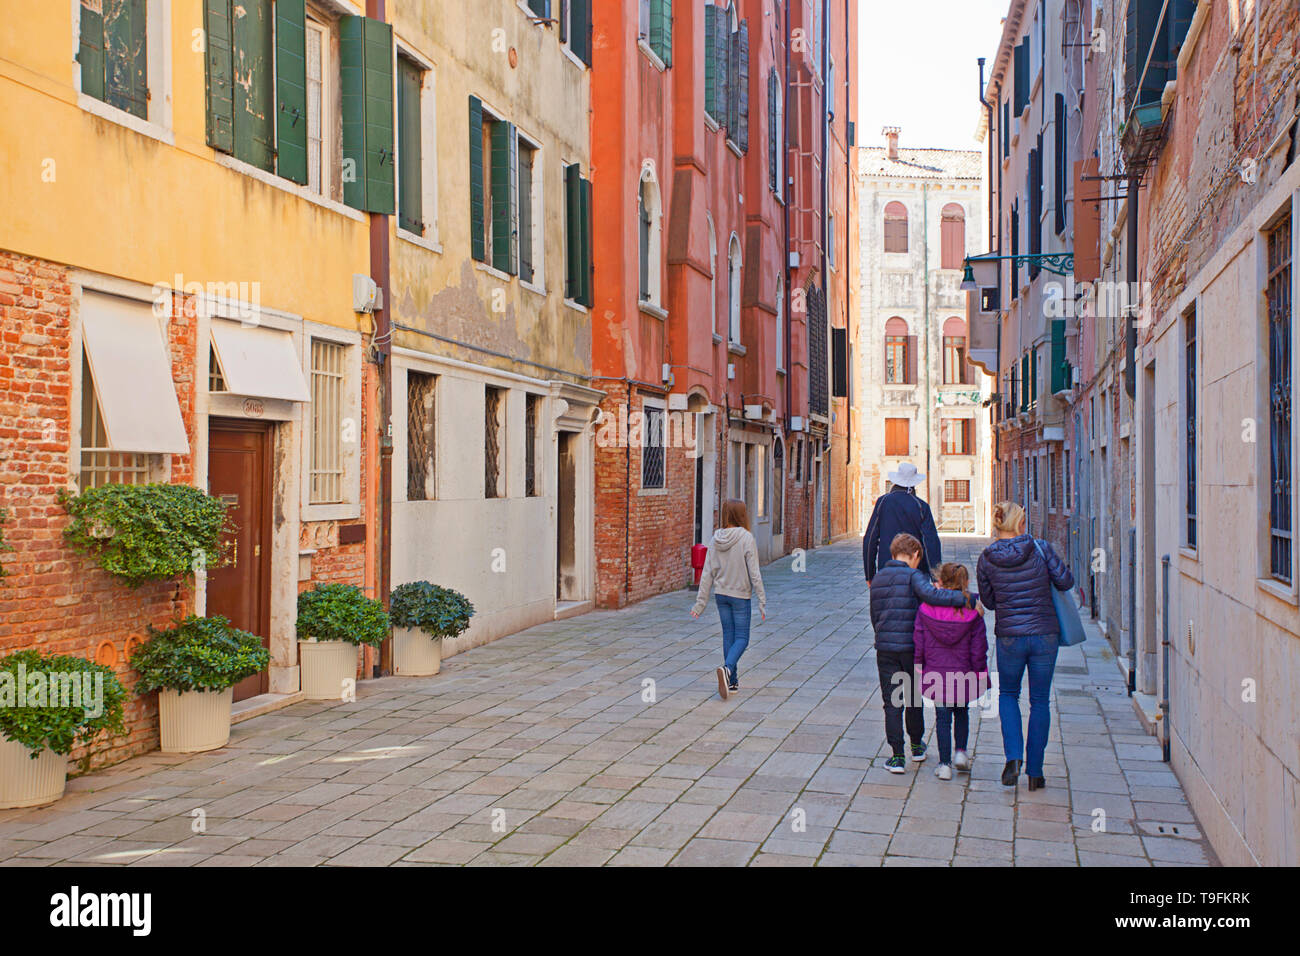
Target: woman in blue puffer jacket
1015, 575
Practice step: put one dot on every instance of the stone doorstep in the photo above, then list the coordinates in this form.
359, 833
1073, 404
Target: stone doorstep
247, 709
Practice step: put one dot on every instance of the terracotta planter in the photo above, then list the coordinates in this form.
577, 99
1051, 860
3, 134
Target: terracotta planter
325, 666
25, 782
415, 652
194, 721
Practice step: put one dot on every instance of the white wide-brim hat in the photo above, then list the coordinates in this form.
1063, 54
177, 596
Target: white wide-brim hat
907, 475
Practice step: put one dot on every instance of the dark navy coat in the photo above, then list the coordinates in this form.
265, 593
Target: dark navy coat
896, 595
1015, 581
900, 512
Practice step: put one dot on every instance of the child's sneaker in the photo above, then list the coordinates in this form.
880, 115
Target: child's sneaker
918, 753
961, 761
943, 772
896, 764
723, 682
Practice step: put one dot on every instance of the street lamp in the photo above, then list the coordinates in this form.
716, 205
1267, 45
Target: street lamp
1060, 263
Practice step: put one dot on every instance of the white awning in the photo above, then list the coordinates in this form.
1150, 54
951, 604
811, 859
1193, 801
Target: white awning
258, 362
132, 376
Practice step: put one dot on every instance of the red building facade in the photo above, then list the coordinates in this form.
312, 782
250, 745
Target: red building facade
712, 199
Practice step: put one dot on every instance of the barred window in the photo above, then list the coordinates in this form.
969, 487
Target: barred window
956, 491
421, 437
493, 435
326, 470
101, 465
1278, 295
532, 423
652, 449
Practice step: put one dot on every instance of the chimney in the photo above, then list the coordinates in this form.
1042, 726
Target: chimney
891, 139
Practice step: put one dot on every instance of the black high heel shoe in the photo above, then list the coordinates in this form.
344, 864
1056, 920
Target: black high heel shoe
1037, 783
1010, 772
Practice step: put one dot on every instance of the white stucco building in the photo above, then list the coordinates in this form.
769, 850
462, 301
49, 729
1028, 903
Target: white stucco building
921, 213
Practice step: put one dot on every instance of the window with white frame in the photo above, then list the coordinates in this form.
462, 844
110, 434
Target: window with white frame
100, 464
318, 131
780, 323
417, 155
325, 473
733, 290
649, 220
713, 274
653, 458
758, 462
123, 58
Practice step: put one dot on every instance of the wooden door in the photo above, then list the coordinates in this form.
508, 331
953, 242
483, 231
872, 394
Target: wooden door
239, 472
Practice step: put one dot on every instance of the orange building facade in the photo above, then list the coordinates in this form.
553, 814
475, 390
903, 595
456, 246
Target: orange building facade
714, 201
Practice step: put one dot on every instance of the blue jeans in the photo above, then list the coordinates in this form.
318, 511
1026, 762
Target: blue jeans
734, 613
1035, 653
948, 720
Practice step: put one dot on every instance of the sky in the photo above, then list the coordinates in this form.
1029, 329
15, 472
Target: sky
917, 68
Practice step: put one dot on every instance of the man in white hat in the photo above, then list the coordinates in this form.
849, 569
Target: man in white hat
901, 512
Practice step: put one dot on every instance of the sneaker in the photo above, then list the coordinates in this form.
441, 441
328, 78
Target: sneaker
943, 771
733, 688
896, 764
961, 761
918, 753
723, 681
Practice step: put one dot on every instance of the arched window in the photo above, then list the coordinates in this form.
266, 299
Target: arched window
954, 351
713, 274
733, 290
649, 217
898, 363
778, 483
952, 237
895, 227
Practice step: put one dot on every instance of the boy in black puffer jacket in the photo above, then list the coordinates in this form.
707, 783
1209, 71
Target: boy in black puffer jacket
897, 591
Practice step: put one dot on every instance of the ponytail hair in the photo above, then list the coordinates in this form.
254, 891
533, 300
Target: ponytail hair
1007, 516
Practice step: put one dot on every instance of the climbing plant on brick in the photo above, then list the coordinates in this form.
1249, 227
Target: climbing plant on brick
145, 533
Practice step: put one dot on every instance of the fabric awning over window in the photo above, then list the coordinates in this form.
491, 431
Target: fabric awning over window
259, 362
132, 376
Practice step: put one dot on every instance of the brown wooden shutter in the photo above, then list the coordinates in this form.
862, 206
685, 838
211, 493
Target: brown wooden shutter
911, 360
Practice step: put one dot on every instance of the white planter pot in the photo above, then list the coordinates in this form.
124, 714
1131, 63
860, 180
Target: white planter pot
326, 665
193, 721
415, 653
25, 782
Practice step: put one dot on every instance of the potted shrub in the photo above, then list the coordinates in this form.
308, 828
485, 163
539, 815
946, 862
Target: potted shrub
332, 620
47, 704
423, 614
194, 666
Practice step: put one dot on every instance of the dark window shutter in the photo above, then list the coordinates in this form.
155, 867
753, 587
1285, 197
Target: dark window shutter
126, 56
712, 24
525, 214
580, 40
505, 198
1062, 141
839, 363
588, 264
410, 198
91, 52
1033, 376
661, 30
366, 52
573, 232
732, 101
771, 130
291, 89
1021, 77
253, 78
1024, 382
742, 89
477, 213
220, 69
1060, 367
540, 8
911, 360
1006, 129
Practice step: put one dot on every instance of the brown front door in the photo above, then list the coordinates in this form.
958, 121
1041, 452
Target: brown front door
239, 472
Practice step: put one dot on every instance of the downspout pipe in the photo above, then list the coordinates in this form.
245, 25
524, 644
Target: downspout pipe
1130, 323
787, 287
1164, 651
925, 315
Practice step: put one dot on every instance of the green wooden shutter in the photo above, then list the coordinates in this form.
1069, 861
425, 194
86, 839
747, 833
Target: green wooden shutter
540, 8
1033, 376
580, 39
661, 30
711, 14
587, 263
742, 88
477, 220
573, 232
733, 84
1022, 76
220, 70
254, 52
505, 197
366, 52
1025, 386
91, 53
410, 80
1060, 367
771, 129
524, 232
126, 56
291, 89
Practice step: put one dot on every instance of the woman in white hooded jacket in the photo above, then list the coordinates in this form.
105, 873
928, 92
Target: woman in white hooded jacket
731, 569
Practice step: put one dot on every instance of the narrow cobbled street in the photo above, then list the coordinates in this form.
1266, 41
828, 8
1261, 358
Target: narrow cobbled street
601, 740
